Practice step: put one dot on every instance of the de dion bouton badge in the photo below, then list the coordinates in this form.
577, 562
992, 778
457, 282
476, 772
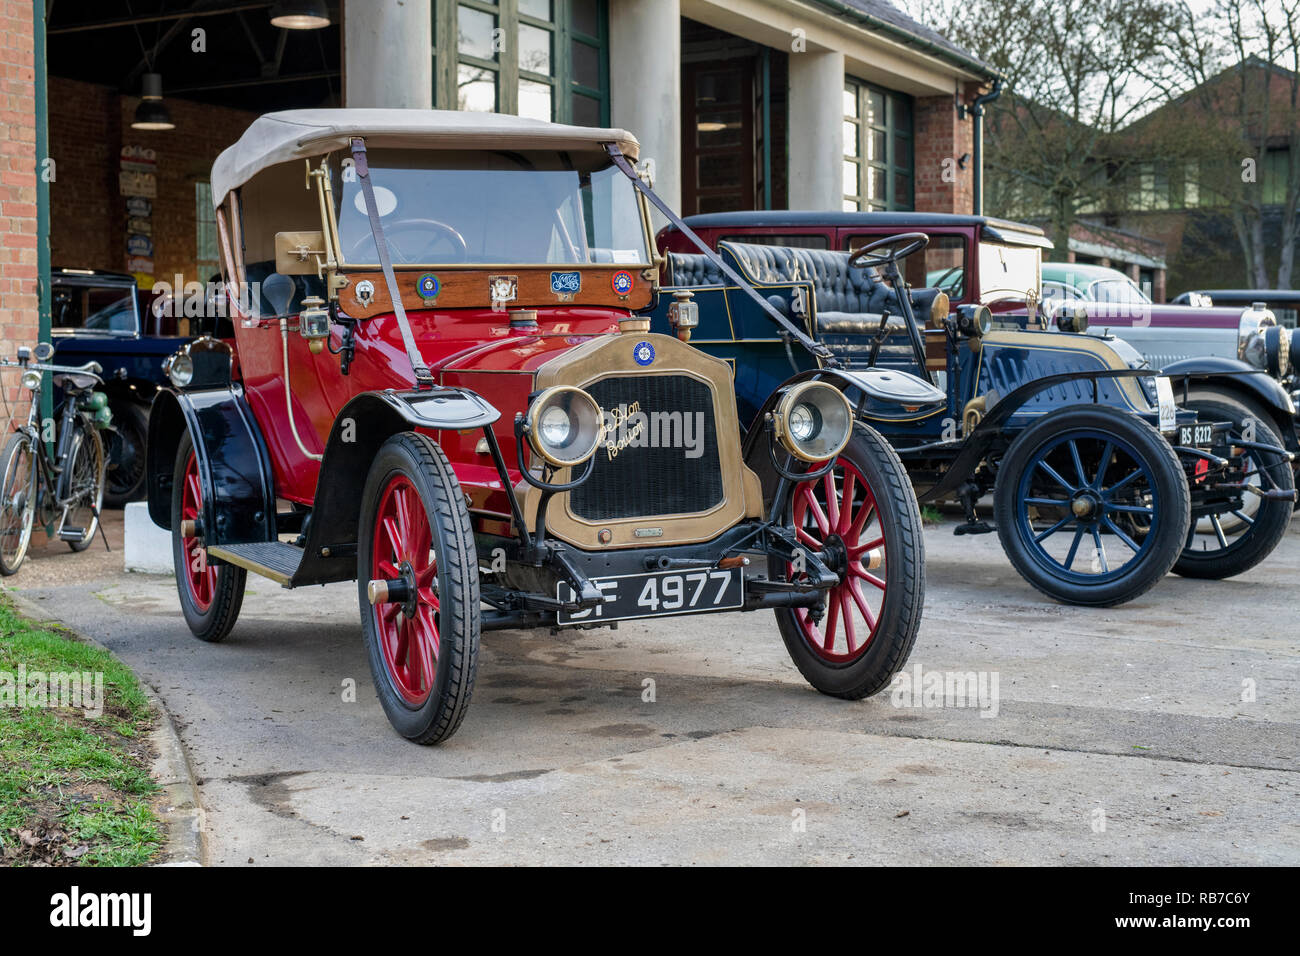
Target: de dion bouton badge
644, 353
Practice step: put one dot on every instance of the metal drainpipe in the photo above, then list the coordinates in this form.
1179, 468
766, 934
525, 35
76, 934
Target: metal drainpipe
42, 199
977, 114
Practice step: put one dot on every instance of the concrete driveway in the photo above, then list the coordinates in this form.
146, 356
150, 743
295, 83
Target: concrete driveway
1119, 736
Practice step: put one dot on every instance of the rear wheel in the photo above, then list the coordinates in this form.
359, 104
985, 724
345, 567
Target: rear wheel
864, 516
1244, 532
417, 576
211, 594
1092, 506
83, 485
17, 503
124, 449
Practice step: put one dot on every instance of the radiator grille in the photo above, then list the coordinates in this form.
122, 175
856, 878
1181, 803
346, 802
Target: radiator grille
644, 480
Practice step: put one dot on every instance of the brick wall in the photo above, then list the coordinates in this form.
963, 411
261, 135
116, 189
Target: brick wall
19, 303
89, 125
941, 135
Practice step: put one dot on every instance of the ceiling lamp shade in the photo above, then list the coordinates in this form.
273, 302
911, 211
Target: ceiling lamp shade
300, 15
152, 114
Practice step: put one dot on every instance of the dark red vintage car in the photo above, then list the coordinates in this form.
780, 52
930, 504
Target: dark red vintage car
441, 389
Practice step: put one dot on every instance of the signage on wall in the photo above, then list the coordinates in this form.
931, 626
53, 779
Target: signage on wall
137, 180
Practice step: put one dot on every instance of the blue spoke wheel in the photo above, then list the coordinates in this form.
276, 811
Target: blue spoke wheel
1092, 505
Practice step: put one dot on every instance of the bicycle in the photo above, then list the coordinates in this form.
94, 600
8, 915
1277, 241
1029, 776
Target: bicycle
66, 486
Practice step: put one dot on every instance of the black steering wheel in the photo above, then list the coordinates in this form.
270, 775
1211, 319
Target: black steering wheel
861, 258
416, 225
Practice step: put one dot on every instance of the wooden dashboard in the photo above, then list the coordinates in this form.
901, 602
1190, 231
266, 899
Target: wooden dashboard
531, 287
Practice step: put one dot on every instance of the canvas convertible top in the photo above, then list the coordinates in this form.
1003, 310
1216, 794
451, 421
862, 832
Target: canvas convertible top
301, 134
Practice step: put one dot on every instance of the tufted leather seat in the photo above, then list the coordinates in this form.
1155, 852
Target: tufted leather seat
693, 269
849, 301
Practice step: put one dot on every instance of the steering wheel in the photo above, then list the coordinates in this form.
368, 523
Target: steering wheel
417, 226
913, 242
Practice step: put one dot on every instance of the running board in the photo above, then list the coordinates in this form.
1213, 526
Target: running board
271, 559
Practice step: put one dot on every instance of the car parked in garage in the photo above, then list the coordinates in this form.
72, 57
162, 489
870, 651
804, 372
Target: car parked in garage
103, 317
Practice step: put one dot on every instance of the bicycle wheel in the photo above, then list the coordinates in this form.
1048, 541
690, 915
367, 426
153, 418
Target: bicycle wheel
17, 503
83, 486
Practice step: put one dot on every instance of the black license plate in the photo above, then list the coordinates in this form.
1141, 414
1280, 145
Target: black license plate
658, 594
1195, 436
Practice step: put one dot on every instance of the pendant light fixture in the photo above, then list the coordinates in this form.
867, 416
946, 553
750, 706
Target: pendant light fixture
300, 15
152, 113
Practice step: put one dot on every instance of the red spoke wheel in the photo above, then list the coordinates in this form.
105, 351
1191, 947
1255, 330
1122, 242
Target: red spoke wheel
211, 594
417, 574
862, 518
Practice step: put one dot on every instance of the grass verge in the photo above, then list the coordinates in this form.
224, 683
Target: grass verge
75, 788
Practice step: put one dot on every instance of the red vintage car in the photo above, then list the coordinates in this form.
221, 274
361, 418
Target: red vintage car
441, 389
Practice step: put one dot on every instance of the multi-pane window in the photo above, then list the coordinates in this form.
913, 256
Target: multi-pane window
545, 59
877, 148
205, 232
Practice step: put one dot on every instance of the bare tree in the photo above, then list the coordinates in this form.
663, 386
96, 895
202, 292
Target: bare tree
1233, 86
1076, 71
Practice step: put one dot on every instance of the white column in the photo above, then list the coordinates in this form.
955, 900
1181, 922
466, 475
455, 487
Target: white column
388, 59
645, 84
816, 125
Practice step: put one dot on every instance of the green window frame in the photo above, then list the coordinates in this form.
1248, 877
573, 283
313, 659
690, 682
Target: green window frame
205, 232
525, 57
879, 159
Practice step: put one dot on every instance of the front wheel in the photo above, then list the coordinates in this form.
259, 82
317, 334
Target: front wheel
211, 594
18, 507
1092, 506
83, 486
864, 516
417, 577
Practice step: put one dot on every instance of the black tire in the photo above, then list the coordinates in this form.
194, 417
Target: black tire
898, 618
84, 470
18, 484
210, 621
124, 447
1256, 532
424, 708
1159, 542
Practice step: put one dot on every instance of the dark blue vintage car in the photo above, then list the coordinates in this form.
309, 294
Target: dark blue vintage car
103, 316
1100, 483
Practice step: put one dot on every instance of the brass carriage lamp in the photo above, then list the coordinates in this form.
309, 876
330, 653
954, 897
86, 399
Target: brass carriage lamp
684, 314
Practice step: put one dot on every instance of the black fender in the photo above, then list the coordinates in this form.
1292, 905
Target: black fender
973, 449
890, 386
1235, 375
234, 467
361, 428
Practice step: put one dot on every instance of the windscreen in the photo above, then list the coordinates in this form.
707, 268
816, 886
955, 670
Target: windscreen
1008, 272
490, 208
83, 308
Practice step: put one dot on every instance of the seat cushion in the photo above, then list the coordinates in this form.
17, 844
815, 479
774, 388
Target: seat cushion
837, 287
693, 269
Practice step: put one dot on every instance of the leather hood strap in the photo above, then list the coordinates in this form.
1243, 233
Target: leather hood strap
423, 377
